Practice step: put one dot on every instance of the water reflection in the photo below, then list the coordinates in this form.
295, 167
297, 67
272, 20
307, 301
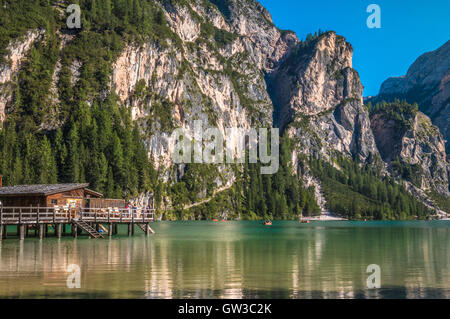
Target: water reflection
237, 260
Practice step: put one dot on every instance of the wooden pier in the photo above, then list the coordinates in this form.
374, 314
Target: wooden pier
94, 222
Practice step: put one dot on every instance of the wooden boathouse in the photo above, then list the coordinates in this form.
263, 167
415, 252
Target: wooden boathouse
36, 208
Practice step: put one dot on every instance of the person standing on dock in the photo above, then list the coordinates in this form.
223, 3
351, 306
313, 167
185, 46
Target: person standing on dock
134, 209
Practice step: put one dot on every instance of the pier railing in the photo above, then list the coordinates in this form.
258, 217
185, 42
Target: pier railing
48, 215
117, 215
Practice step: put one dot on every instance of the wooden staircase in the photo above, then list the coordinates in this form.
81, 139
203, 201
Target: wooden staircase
105, 230
88, 228
146, 228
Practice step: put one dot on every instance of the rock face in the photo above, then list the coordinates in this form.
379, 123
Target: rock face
417, 145
17, 52
428, 84
261, 75
318, 94
201, 77
227, 65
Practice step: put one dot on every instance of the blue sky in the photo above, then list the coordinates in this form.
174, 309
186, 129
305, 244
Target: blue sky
409, 28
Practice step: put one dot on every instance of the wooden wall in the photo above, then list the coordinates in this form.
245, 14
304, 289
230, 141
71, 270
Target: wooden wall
24, 201
106, 202
76, 197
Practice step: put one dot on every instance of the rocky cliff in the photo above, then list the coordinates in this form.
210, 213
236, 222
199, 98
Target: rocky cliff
318, 95
427, 83
225, 63
215, 72
18, 51
412, 146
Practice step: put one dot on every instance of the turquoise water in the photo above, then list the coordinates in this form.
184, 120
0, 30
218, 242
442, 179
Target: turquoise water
237, 260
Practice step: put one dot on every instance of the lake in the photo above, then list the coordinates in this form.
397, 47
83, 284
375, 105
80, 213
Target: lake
236, 259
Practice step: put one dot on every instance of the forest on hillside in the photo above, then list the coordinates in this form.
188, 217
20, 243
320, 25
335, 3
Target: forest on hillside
358, 191
84, 137
88, 136
79, 141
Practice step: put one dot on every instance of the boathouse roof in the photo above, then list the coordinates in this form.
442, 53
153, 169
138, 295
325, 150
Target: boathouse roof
44, 189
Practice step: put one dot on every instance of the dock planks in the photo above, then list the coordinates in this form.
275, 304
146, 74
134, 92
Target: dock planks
89, 220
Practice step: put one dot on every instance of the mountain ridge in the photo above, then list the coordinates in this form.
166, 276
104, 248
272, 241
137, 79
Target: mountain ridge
427, 83
221, 62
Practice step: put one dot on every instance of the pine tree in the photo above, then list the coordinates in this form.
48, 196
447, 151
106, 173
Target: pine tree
47, 171
73, 158
110, 185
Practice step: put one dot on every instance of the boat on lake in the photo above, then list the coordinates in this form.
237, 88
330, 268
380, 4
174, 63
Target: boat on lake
303, 221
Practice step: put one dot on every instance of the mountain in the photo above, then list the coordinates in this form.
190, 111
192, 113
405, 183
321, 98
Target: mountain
99, 105
318, 95
412, 146
427, 83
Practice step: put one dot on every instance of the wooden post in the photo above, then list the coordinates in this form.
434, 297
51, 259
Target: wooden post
31, 216
21, 231
110, 229
5, 231
41, 231
64, 228
54, 215
129, 228
58, 230
20, 215
1, 223
75, 230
